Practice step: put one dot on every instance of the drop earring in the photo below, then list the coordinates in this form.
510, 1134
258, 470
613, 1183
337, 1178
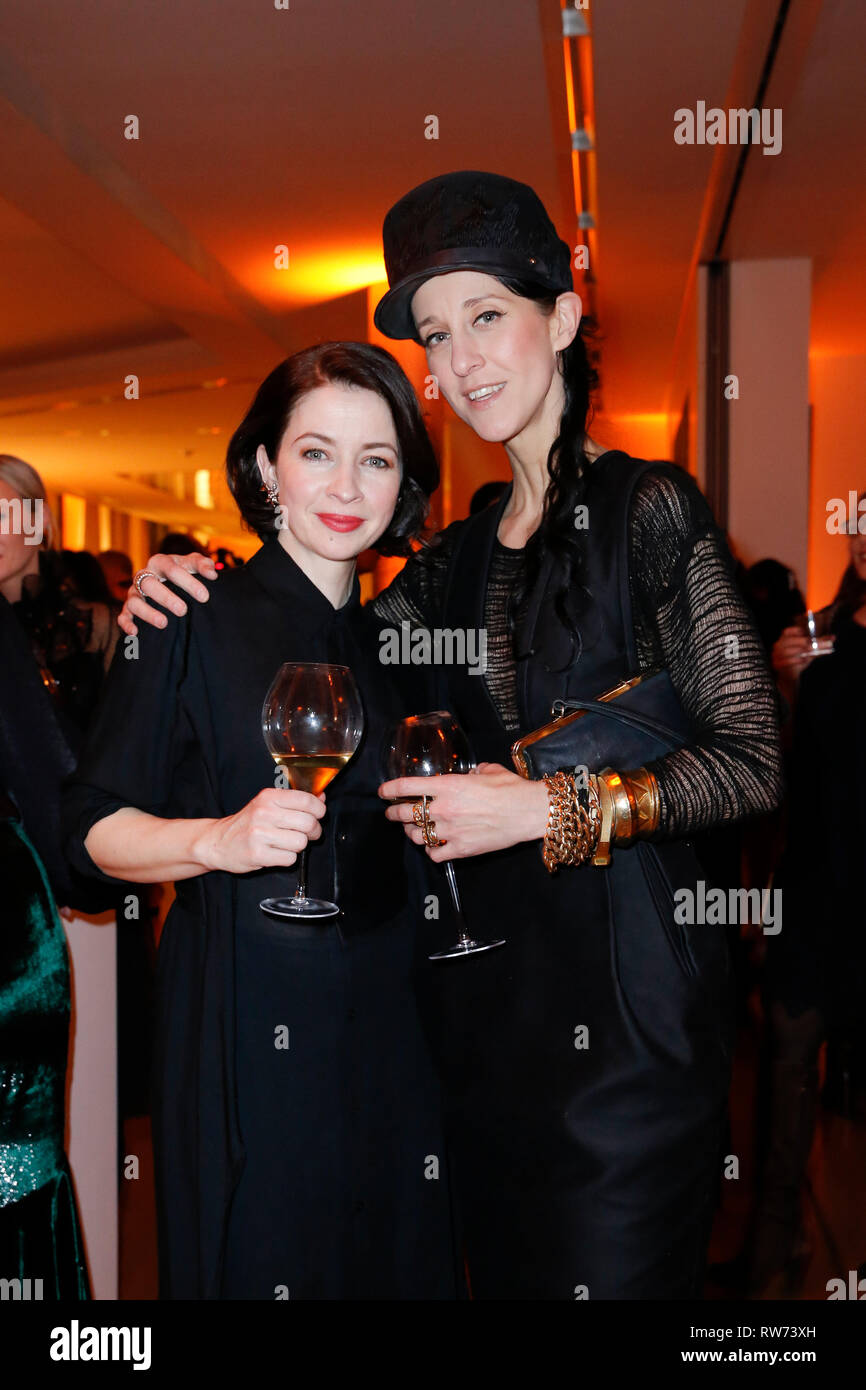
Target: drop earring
273, 496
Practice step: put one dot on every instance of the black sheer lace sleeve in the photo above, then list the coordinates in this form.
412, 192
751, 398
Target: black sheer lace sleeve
415, 594
689, 616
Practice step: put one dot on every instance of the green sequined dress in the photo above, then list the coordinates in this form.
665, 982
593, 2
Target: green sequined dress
40, 1237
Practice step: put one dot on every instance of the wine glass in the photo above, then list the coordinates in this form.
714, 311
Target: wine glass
312, 720
430, 745
818, 628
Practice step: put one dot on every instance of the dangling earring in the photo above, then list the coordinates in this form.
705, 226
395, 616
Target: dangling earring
273, 496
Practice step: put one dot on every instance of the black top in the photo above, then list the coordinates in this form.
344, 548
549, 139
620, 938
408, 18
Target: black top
49, 684
68, 637
689, 617
819, 957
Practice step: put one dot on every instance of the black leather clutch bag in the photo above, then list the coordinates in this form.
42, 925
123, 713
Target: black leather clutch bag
639, 720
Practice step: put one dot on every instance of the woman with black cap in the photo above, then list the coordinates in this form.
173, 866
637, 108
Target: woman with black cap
586, 1063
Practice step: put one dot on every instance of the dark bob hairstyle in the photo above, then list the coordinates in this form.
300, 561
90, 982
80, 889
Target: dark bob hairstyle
344, 364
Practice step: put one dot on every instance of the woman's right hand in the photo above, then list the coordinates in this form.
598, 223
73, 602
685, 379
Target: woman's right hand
269, 832
182, 571
792, 652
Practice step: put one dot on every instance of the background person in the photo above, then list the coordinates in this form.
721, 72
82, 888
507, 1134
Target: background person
40, 1235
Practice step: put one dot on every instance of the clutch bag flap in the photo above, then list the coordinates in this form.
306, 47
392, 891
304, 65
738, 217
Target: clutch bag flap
638, 720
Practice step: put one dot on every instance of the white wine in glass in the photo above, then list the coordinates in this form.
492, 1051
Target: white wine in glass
312, 721
311, 773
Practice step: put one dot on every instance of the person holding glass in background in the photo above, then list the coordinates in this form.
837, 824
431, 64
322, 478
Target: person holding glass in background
815, 968
295, 1106
814, 634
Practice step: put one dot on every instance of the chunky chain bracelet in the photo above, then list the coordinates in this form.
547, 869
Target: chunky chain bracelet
573, 822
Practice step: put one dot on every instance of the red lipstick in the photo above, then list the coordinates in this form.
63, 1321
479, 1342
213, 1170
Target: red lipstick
338, 522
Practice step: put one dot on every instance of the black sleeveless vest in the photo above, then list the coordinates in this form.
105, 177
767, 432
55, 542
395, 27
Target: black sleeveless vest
552, 663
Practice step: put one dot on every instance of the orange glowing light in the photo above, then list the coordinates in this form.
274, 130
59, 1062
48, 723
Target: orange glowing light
569, 84
320, 274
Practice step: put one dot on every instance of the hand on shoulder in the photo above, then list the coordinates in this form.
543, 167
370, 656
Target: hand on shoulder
179, 570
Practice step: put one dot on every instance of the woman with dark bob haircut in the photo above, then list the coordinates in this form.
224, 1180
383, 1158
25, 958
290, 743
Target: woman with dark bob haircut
295, 1106
347, 364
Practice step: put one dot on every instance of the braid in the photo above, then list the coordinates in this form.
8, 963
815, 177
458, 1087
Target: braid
567, 466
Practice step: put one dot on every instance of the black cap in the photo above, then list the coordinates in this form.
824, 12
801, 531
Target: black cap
466, 221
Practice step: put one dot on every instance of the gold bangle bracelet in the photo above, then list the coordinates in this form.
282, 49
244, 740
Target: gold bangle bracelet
623, 828
643, 792
630, 808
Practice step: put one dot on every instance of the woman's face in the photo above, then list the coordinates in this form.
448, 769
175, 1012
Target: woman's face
337, 471
493, 352
17, 557
857, 550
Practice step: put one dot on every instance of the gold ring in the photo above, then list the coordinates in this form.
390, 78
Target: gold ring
430, 838
429, 829
419, 813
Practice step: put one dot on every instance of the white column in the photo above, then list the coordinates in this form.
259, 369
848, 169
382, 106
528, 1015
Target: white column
92, 1093
768, 471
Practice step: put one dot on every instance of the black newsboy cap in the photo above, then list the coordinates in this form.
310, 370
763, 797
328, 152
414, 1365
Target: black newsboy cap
466, 221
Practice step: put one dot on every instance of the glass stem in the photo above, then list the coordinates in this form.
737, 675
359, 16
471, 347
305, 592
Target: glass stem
455, 899
301, 890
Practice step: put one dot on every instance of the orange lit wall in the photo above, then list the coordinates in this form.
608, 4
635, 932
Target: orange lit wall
642, 436
837, 387
74, 521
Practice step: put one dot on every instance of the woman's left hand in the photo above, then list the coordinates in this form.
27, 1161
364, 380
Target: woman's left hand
489, 808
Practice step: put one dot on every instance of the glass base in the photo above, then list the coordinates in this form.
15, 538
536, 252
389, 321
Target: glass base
299, 907
466, 948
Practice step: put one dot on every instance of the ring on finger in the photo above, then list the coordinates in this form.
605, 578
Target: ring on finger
429, 829
139, 578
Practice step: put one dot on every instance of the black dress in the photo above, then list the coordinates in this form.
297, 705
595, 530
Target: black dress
586, 1063
819, 959
314, 1170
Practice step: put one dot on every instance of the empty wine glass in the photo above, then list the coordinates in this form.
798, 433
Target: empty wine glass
431, 745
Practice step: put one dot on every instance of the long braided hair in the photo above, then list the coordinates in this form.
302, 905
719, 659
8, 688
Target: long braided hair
567, 468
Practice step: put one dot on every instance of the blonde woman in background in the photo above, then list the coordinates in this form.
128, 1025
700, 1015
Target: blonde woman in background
39, 1229
72, 638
